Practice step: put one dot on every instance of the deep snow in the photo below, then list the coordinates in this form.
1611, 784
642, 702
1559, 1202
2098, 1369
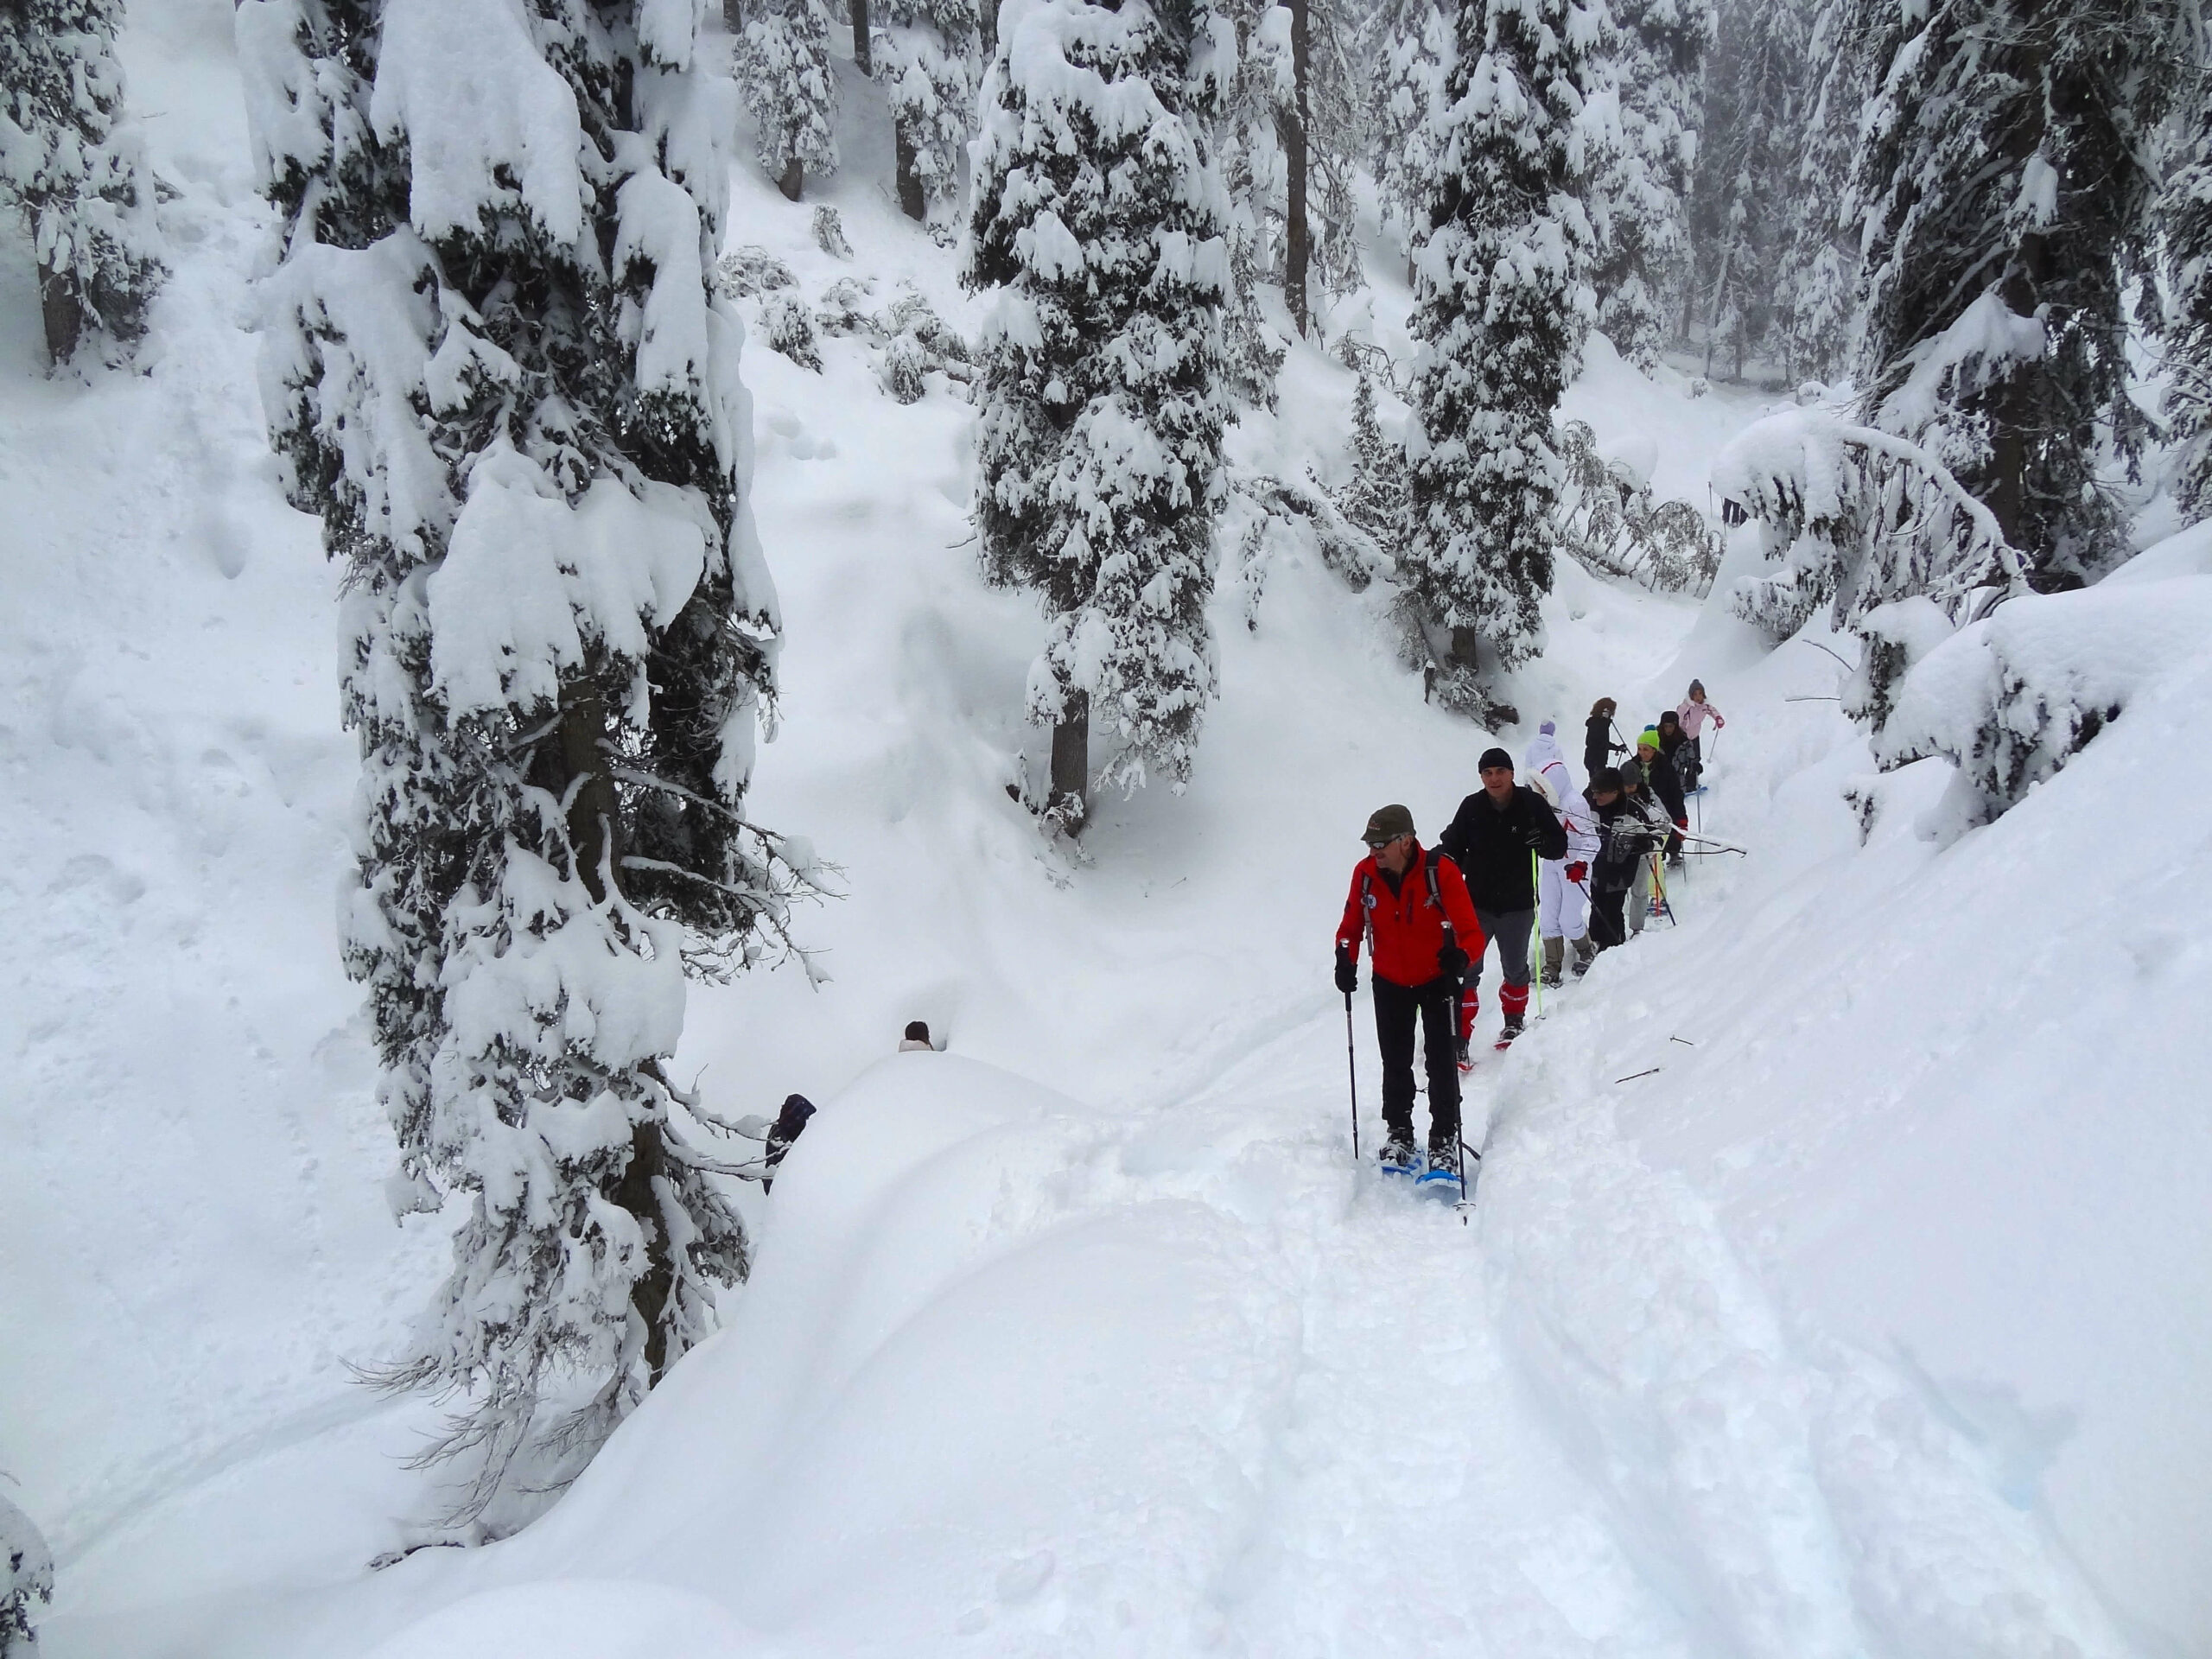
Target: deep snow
1877, 1320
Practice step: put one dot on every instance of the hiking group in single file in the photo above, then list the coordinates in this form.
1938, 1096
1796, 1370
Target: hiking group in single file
1579, 870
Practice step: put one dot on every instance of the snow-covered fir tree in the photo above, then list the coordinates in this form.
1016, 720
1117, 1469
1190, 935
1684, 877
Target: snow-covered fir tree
1254, 178
72, 166
2004, 192
2186, 216
1410, 43
496, 372
783, 66
26, 1581
1751, 145
1502, 310
929, 53
1816, 286
1639, 191
1098, 222
1375, 500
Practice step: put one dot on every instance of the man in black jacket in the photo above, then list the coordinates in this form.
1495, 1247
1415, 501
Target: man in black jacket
1497, 835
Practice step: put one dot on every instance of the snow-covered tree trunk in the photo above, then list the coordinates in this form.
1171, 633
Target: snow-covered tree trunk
863, 60
784, 65
497, 371
1098, 225
73, 167
1502, 307
929, 53
2004, 192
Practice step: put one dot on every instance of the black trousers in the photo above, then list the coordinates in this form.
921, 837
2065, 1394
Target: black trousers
1608, 922
1437, 1005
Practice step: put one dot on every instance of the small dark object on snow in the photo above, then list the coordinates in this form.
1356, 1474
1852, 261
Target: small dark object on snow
917, 1037
790, 1122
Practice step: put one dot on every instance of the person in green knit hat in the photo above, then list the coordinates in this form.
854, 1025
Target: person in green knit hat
1659, 774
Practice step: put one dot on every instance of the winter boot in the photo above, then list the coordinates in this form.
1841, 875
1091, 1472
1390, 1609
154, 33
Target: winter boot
1443, 1161
1585, 952
1508, 1032
1467, 1060
1555, 958
1398, 1156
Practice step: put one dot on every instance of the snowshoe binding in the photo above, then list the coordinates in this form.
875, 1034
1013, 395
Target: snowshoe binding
1398, 1157
1439, 1176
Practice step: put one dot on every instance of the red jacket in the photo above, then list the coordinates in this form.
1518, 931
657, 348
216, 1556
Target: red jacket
1408, 926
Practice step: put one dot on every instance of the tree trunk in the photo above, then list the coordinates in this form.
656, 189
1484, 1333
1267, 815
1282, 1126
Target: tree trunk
64, 313
733, 16
793, 179
1290, 125
1067, 798
648, 1295
860, 59
911, 203
578, 763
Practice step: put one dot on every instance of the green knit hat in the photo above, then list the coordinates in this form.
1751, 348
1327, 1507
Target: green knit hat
1649, 740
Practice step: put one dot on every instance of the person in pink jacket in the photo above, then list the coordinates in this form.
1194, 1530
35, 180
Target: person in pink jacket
1693, 713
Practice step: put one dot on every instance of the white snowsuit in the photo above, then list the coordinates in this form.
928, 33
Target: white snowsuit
1563, 906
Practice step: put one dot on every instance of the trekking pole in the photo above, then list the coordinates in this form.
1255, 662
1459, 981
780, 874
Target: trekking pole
1535, 932
1352, 1075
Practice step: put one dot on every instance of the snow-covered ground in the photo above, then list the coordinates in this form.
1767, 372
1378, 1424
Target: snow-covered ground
1840, 1281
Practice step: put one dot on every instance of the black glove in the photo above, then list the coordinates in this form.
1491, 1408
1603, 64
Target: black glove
1347, 974
1451, 961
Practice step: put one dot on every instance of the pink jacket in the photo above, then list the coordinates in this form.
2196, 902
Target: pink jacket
1694, 715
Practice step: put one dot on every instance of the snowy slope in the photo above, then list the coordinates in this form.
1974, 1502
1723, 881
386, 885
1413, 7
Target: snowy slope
1871, 1323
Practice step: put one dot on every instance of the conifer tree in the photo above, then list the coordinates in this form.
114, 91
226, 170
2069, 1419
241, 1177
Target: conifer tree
1411, 41
1816, 288
1375, 500
929, 72
72, 166
2004, 192
1750, 143
1099, 221
783, 66
2186, 215
497, 373
1502, 303
1640, 192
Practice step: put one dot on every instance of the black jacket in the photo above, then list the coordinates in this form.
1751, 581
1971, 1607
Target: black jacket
1666, 781
1626, 835
1598, 745
1491, 844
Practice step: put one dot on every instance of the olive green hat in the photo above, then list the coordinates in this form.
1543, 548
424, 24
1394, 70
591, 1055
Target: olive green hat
1386, 825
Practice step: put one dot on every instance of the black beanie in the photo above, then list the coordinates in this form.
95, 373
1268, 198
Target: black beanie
1494, 758
1605, 780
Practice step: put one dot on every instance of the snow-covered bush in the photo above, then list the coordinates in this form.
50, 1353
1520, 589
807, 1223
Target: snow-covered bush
494, 367
1615, 526
917, 342
843, 310
73, 167
783, 64
26, 1579
1855, 518
787, 326
903, 369
829, 233
929, 49
1375, 498
1503, 307
747, 272
2011, 697
1098, 228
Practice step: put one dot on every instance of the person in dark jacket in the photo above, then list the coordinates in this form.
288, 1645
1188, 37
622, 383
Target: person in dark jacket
1492, 839
1626, 835
790, 1122
1410, 905
1598, 744
1661, 778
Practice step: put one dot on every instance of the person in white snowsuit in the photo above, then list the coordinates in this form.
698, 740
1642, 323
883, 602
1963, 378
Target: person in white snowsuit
1562, 884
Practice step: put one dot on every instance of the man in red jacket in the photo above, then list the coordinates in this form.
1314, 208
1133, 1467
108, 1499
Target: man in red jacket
1412, 905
